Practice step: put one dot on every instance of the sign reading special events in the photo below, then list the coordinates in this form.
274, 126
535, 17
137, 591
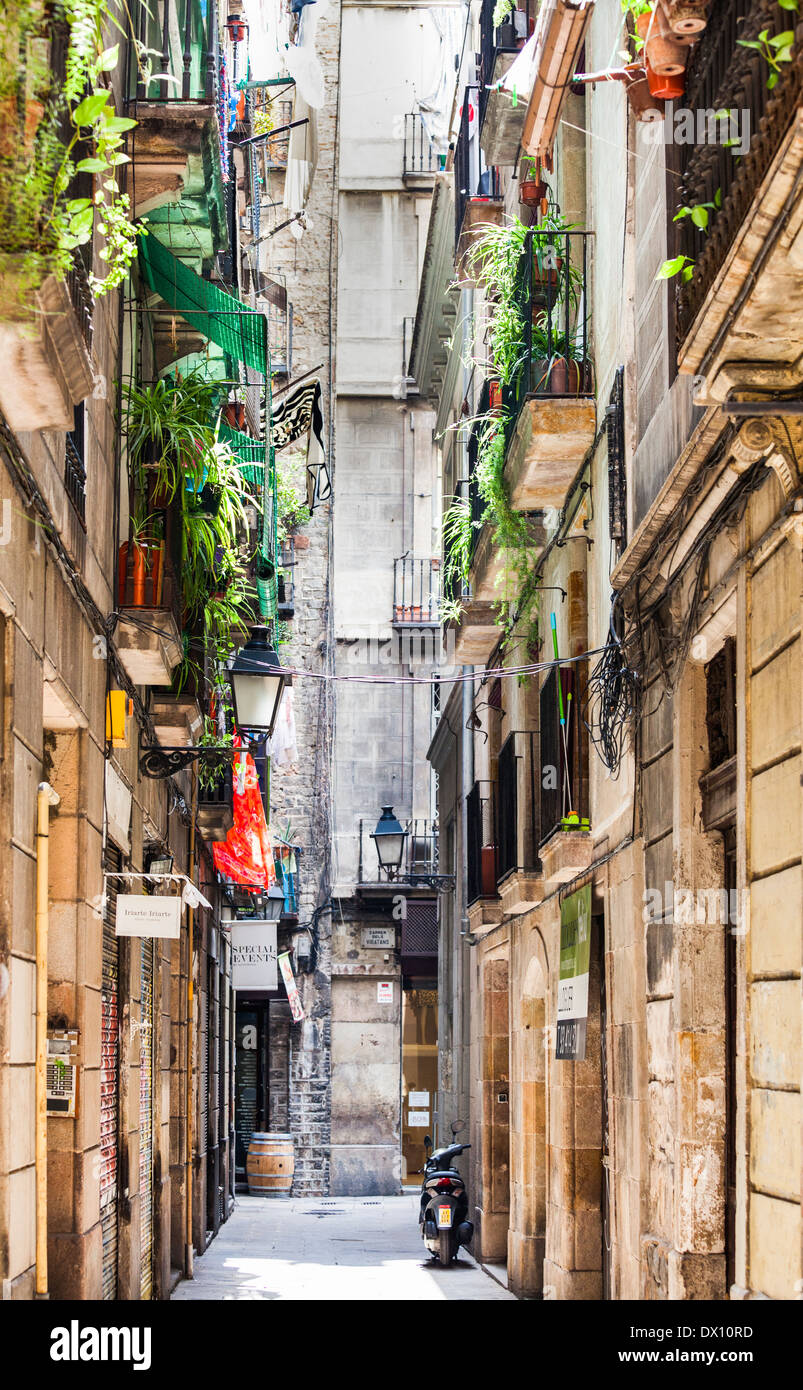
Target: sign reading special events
139, 914
253, 955
575, 956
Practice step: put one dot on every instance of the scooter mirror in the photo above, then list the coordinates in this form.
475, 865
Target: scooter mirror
427, 1142
457, 1127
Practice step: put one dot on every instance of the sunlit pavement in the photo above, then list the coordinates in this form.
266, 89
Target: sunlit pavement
361, 1248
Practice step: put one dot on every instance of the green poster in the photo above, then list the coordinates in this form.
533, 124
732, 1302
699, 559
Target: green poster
575, 957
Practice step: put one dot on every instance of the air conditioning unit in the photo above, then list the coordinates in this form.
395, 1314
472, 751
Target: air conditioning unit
62, 1073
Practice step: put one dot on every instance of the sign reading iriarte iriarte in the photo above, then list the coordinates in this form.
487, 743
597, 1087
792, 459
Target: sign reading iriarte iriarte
253, 955
139, 914
575, 957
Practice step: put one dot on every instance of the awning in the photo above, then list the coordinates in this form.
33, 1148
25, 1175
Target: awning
240, 331
543, 70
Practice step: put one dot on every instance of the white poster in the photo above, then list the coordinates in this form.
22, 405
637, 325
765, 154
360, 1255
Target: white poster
418, 1098
253, 955
141, 915
384, 992
418, 1119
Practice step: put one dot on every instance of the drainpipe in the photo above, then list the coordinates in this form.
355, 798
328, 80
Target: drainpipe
466, 780
188, 1252
45, 798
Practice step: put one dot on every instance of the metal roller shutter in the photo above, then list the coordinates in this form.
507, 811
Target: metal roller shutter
109, 1079
146, 1120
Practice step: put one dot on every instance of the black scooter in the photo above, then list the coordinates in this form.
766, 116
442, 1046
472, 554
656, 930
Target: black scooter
444, 1203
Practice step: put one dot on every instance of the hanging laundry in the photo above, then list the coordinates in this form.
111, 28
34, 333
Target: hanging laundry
246, 855
283, 748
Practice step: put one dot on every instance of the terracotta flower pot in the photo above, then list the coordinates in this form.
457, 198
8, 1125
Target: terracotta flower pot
687, 16
643, 104
564, 379
495, 395
140, 569
667, 88
234, 415
531, 192
666, 56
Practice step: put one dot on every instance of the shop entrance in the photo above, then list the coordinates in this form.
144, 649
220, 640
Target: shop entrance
261, 1073
419, 1075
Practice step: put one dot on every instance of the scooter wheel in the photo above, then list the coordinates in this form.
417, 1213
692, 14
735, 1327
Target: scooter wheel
445, 1247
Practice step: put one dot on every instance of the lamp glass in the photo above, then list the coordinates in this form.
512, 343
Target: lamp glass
257, 683
274, 904
389, 838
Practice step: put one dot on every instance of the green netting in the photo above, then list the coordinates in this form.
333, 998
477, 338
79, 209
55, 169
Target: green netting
240, 331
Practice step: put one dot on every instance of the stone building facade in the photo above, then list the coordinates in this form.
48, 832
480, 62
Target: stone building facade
664, 1163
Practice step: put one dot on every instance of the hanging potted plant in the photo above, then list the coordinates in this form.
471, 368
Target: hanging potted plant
494, 397
532, 188
664, 57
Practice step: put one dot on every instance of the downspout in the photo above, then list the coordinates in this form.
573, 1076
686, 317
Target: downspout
188, 1252
45, 798
466, 780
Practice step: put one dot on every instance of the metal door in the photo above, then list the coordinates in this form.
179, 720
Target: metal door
146, 975
109, 1078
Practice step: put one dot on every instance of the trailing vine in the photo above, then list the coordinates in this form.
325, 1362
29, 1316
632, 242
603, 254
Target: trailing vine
56, 128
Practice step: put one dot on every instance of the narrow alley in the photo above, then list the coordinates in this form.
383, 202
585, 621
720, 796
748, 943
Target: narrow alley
346, 1248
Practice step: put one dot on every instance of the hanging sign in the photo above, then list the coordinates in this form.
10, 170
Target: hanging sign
296, 1007
575, 956
418, 1119
140, 915
253, 955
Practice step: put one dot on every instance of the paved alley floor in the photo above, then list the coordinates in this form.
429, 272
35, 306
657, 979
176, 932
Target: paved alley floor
360, 1248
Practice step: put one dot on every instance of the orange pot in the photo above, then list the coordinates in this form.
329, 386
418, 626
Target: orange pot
668, 88
495, 395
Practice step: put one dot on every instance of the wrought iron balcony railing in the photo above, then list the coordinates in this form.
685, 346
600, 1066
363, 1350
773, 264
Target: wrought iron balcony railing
470, 180
183, 57
420, 865
419, 157
509, 37
728, 83
83, 300
564, 753
518, 804
416, 592
482, 851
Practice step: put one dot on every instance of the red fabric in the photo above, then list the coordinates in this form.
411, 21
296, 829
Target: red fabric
246, 855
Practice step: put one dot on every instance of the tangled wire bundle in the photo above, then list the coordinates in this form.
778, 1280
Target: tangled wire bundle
611, 695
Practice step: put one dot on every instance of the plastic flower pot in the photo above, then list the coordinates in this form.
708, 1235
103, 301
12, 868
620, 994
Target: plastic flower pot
140, 567
495, 395
667, 88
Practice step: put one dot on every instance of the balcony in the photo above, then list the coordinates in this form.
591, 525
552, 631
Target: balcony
477, 191
149, 602
518, 805
470, 637
482, 858
502, 123
176, 171
565, 839
420, 160
740, 316
215, 814
549, 408
420, 866
45, 355
416, 592
285, 581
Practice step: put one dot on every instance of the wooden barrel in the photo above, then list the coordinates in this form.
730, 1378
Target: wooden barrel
270, 1165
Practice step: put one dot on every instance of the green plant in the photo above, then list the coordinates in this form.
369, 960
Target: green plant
458, 546
684, 265
292, 511
55, 131
775, 49
502, 9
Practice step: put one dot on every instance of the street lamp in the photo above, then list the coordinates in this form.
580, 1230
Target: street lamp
389, 838
274, 906
257, 684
